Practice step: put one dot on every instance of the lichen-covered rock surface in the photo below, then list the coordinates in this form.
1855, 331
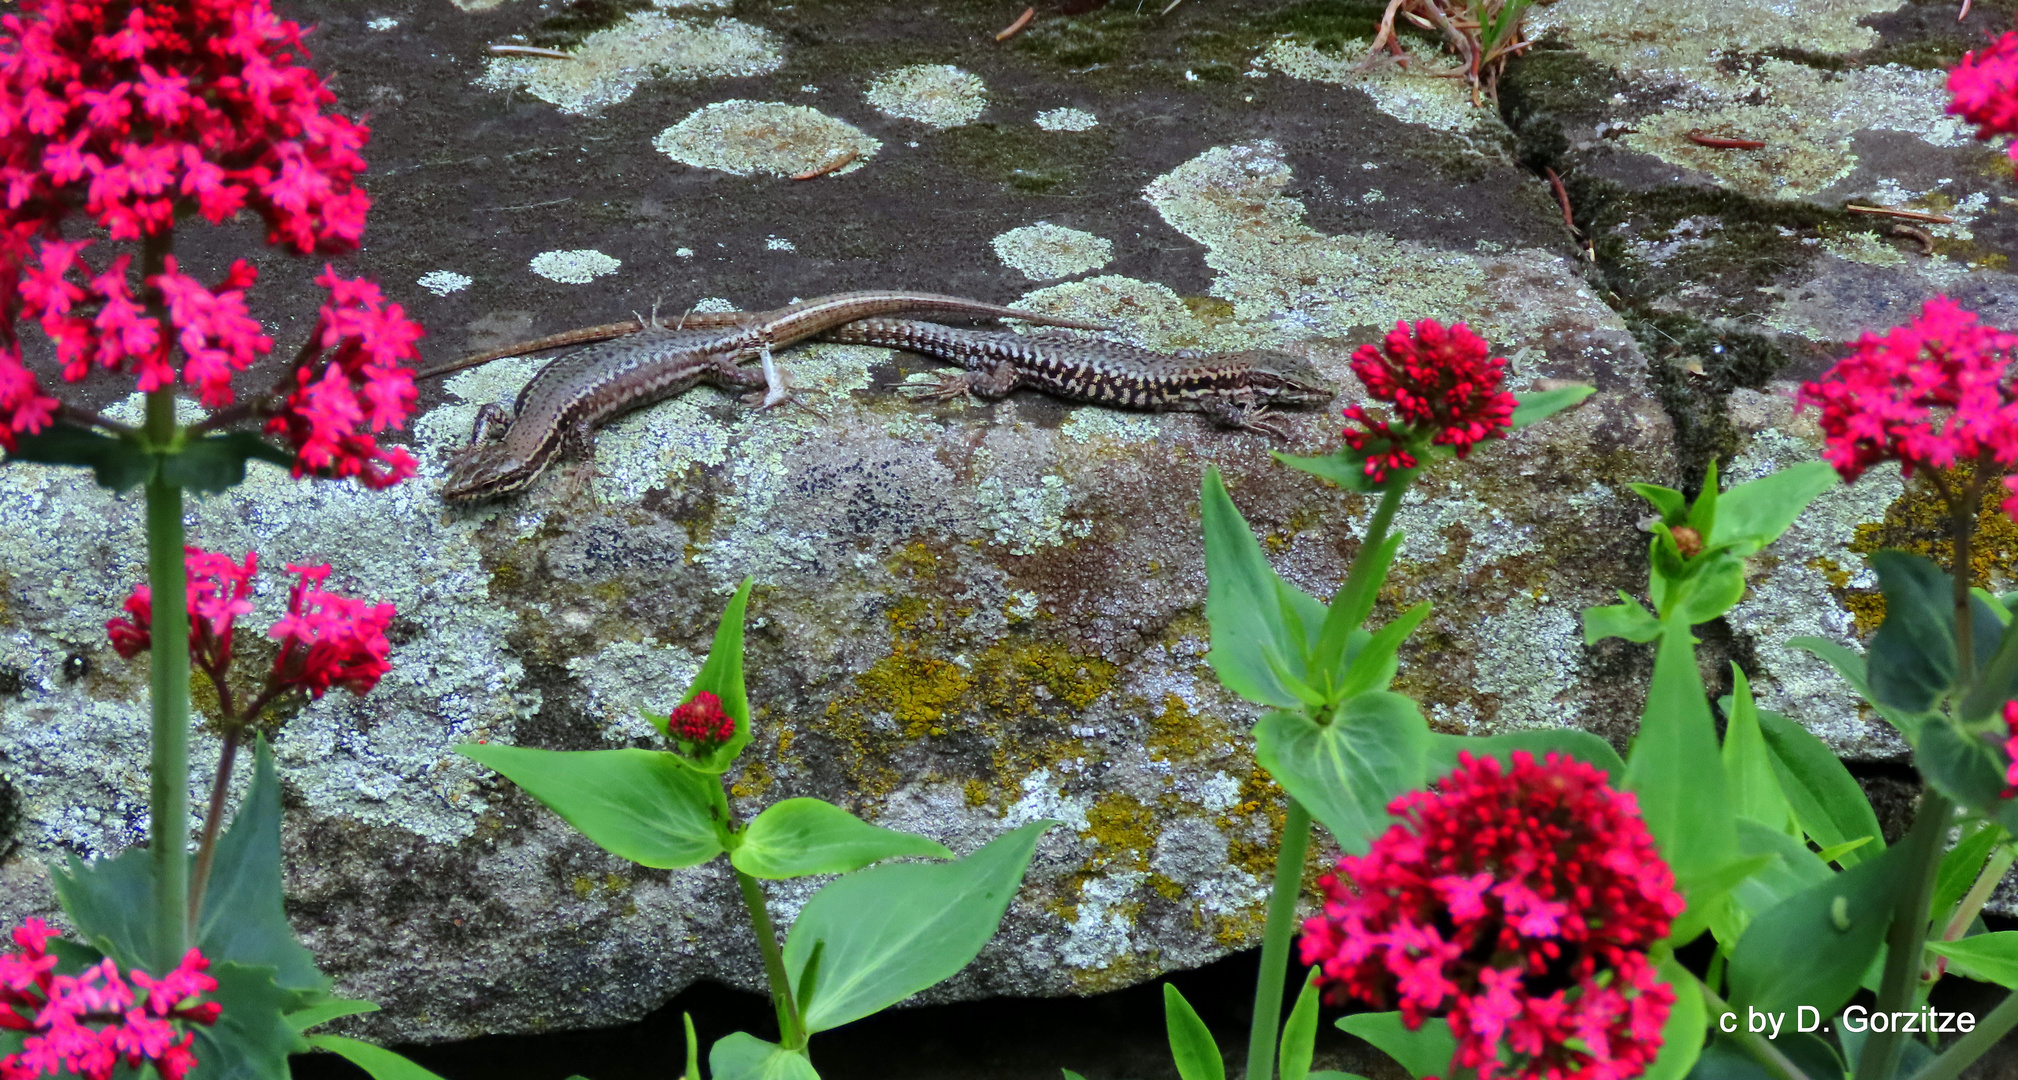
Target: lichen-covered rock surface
971, 616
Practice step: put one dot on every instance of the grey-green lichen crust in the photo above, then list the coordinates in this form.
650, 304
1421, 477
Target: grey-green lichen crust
746, 137
610, 64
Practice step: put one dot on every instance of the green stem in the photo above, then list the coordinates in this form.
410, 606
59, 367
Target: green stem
791, 1033
1964, 1051
1907, 937
1275, 937
1758, 1046
206, 848
168, 830
1376, 537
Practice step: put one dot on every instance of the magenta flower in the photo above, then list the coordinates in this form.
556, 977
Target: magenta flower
88, 1024
1930, 394
702, 722
1444, 383
326, 640
1520, 904
2010, 749
1984, 89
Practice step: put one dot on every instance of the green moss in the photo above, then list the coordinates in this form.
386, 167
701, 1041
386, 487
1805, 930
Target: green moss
1098, 37
1024, 157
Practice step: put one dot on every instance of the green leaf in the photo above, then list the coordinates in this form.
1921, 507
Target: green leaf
1255, 650
1834, 852
1627, 619
323, 1012
1827, 801
1345, 467
722, 675
1965, 768
891, 931
1374, 665
1191, 1042
1850, 665
1961, 865
1299, 1034
1541, 742
381, 1063
1991, 958
1332, 1074
1070, 1075
641, 805
243, 915
742, 1056
1812, 948
1996, 680
251, 1038
1755, 513
115, 463
1706, 891
1715, 583
217, 462
693, 1049
1688, 1019
1703, 515
1540, 405
111, 903
798, 837
1351, 605
1911, 661
1792, 868
1425, 1051
1672, 505
1748, 765
1347, 771
1675, 768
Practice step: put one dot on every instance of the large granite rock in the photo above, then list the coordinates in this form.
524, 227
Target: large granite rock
966, 617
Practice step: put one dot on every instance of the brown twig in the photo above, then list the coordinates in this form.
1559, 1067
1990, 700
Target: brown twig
1022, 21
1925, 238
1563, 200
832, 164
530, 50
1723, 143
1909, 215
84, 417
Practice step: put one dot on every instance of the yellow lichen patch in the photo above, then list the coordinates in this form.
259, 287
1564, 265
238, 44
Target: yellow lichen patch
1012, 671
584, 886
1124, 829
1918, 522
1129, 969
1259, 794
1177, 734
915, 689
976, 793
755, 780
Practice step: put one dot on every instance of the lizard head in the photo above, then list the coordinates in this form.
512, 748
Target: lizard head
1286, 382
485, 472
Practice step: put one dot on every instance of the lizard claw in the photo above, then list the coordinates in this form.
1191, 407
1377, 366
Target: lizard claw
1269, 426
944, 390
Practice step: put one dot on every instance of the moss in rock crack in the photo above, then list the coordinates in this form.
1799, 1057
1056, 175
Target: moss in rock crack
1693, 367
1543, 87
1097, 38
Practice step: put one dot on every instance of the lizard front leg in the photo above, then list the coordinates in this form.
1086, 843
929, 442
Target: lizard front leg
992, 382
1242, 413
491, 421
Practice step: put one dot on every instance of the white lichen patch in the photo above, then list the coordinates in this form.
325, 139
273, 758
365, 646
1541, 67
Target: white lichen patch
1530, 658
612, 63
1046, 252
577, 267
1424, 93
1067, 119
382, 23
1147, 313
1025, 518
779, 243
1805, 117
937, 94
745, 137
1100, 928
443, 282
626, 677
1684, 38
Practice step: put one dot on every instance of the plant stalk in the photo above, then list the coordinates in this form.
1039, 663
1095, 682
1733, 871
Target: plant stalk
791, 1033
1758, 1046
1963, 524
168, 771
1376, 536
206, 849
1964, 1051
1907, 936
1275, 935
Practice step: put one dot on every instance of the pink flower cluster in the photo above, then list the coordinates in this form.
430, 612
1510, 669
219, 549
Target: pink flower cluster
2010, 749
1930, 394
1984, 89
363, 387
87, 1024
1521, 905
702, 722
1440, 380
325, 640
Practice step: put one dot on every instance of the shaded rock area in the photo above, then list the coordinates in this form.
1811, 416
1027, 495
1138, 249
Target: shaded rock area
972, 616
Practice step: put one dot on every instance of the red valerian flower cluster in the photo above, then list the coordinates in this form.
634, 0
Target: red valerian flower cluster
1984, 89
702, 722
139, 113
2010, 749
87, 1024
326, 640
1929, 394
1440, 380
1518, 903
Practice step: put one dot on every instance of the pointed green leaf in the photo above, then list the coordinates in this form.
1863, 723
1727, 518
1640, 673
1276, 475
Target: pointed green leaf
1536, 405
1813, 947
693, 1048
251, 1039
1345, 467
1425, 1051
1792, 868
1997, 680
381, 1063
325, 1011
114, 462
111, 902
1850, 665
1672, 505
1627, 619
1911, 661
1703, 512
1827, 801
1351, 605
798, 837
1675, 768
1191, 1042
1299, 1033
722, 675
1714, 585
1961, 865
1706, 891
1374, 666
1070, 1075
217, 462
890, 931
1540, 742
1254, 651
1748, 765
1347, 771
1688, 1019
1835, 852
1755, 513
641, 805
742, 1056
1991, 958
243, 917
